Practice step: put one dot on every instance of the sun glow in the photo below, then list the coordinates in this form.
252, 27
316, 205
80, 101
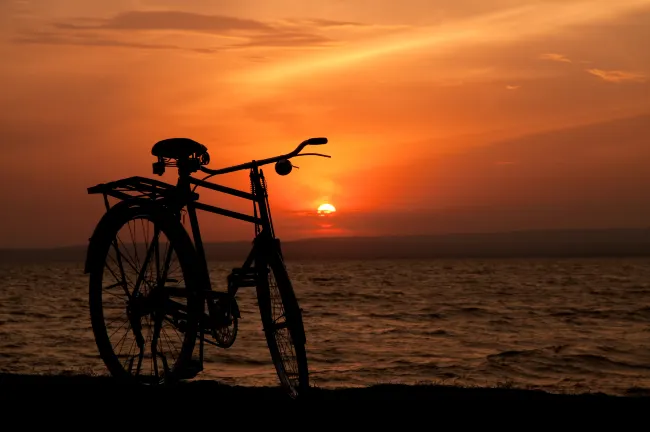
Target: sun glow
324, 209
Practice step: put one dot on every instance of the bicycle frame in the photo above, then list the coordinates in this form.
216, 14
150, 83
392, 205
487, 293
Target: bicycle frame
182, 196
263, 222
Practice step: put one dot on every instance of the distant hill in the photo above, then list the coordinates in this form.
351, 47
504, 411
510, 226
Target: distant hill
551, 243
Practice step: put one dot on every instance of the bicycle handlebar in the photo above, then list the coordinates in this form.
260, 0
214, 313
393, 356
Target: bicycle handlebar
310, 141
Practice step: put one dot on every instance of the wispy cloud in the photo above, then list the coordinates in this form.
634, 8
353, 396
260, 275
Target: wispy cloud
503, 27
48, 38
188, 21
169, 20
286, 40
252, 33
555, 57
614, 76
318, 22
618, 76
512, 87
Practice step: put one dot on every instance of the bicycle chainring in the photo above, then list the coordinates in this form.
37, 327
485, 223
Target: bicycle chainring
225, 324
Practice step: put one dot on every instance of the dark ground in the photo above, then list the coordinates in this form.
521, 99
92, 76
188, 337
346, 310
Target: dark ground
48, 388
100, 403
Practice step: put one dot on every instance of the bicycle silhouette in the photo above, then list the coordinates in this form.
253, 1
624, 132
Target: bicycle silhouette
153, 289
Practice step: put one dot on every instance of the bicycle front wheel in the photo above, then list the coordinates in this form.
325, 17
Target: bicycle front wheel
283, 327
143, 275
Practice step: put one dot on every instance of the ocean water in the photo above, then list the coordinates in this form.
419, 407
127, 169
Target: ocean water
561, 325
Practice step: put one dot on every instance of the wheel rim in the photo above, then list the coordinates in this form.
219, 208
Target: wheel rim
142, 297
287, 361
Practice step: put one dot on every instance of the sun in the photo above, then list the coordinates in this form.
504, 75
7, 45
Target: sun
324, 209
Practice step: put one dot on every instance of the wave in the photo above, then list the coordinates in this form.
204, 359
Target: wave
329, 281
555, 358
640, 314
236, 360
438, 332
557, 323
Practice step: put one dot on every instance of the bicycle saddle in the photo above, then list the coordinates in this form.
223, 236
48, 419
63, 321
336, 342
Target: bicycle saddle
178, 148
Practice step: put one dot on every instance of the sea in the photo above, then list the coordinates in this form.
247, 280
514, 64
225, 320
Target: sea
558, 325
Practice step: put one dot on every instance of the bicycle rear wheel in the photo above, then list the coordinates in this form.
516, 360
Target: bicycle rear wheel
143, 307
283, 326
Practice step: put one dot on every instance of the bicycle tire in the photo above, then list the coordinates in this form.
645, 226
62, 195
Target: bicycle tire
288, 352
101, 247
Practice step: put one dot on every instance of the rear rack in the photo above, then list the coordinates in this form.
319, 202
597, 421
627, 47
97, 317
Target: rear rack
137, 187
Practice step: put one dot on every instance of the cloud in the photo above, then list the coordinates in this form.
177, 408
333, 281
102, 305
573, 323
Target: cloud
188, 21
512, 87
617, 76
501, 28
48, 38
555, 57
287, 39
319, 22
254, 33
51, 39
170, 20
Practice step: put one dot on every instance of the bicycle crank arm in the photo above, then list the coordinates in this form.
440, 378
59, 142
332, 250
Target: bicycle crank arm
136, 327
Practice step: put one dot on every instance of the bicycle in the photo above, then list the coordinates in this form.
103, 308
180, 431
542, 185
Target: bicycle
169, 298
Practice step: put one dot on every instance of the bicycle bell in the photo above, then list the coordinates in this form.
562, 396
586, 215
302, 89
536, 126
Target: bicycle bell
283, 167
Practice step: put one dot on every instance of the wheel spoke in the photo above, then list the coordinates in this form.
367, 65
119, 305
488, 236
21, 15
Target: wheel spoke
143, 271
127, 257
140, 323
121, 281
156, 239
135, 246
286, 356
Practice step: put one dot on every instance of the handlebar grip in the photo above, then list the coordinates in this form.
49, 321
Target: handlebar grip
316, 141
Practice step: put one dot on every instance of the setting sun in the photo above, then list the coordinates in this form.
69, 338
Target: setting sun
326, 209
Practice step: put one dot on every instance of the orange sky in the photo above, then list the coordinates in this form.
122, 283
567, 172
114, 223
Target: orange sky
442, 116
